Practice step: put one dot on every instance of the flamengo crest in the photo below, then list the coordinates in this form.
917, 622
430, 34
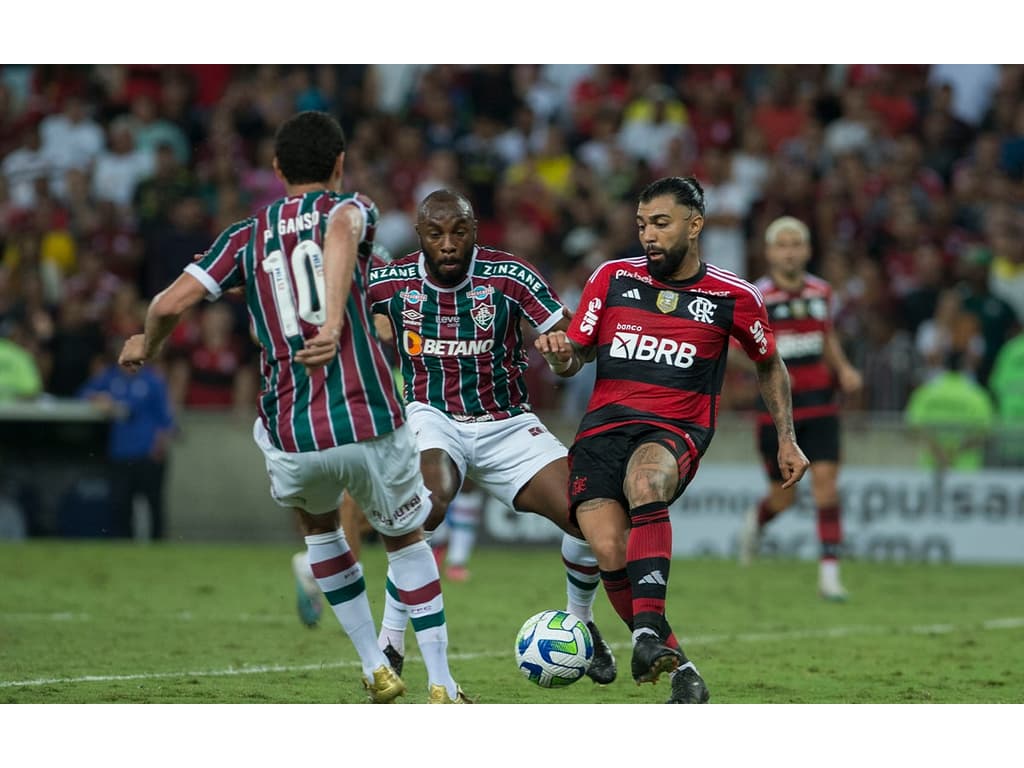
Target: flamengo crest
702, 310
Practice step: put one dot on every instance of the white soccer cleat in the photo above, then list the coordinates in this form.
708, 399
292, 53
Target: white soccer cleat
750, 537
831, 589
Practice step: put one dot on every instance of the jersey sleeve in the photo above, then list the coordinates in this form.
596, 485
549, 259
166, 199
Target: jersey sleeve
587, 320
537, 299
220, 268
377, 293
370, 214
751, 326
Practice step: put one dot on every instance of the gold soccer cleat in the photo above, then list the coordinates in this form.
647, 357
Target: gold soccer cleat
439, 695
386, 686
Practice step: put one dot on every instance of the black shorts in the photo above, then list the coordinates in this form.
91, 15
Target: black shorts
818, 438
597, 464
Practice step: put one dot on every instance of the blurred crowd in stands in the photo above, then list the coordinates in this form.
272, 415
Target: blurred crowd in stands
911, 178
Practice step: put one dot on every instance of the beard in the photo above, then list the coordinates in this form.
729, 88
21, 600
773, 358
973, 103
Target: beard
448, 274
669, 263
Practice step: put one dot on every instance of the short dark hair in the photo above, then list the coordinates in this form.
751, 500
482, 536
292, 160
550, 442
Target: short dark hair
444, 197
307, 146
686, 191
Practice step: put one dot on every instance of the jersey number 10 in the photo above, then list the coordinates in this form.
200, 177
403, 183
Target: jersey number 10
307, 270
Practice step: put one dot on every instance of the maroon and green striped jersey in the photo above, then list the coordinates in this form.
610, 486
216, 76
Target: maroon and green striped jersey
461, 348
277, 256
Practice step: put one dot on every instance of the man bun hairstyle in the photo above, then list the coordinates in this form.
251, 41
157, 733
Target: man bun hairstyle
685, 189
307, 146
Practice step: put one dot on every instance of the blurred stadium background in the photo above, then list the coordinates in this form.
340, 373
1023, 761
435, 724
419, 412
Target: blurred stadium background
910, 176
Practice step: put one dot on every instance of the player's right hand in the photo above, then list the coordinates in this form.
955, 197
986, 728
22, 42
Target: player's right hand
133, 353
555, 347
319, 350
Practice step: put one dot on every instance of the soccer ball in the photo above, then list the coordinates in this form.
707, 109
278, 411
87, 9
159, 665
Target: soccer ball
554, 649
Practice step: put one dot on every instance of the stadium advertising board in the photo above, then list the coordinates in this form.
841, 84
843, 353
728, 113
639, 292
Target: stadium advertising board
888, 514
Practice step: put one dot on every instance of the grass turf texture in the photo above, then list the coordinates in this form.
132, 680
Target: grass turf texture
96, 622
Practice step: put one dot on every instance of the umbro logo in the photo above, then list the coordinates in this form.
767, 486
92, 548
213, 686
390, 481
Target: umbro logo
632, 293
654, 577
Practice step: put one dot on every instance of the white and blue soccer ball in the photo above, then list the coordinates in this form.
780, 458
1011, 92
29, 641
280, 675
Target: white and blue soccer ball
554, 649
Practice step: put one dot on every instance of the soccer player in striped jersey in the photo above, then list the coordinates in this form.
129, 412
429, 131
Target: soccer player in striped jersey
338, 425
456, 310
799, 307
659, 327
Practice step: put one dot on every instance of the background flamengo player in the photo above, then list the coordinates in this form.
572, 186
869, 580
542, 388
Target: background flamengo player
799, 307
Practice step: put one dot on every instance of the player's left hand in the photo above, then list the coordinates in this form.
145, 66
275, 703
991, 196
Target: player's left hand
319, 350
133, 354
792, 463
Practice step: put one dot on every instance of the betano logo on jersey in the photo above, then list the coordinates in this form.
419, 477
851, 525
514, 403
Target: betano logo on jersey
416, 345
641, 346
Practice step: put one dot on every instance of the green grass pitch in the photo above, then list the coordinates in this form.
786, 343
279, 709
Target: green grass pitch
97, 622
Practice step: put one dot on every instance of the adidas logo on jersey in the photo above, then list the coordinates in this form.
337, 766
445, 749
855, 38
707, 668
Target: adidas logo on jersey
632, 293
654, 577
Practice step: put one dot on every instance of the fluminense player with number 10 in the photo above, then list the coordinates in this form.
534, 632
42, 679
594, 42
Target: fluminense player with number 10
338, 425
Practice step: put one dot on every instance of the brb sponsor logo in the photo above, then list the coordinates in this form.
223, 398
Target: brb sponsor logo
590, 316
641, 346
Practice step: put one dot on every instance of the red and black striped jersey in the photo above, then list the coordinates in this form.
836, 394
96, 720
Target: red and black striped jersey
277, 256
801, 319
462, 348
662, 346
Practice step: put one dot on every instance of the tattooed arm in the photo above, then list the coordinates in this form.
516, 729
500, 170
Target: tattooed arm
773, 379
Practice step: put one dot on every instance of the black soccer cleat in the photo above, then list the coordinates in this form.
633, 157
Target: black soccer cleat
651, 658
602, 667
688, 686
395, 659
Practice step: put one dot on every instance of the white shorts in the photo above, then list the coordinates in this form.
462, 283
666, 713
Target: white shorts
382, 475
500, 456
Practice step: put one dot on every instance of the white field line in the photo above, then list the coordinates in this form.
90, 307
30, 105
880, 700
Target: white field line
798, 634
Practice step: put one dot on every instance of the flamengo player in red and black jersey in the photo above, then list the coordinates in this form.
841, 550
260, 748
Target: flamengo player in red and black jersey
332, 422
659, 328
800, 310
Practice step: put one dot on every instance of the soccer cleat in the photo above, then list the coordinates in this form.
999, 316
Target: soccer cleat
439, 695
602, 667
832, 591
308, 597
395, 659
457, 573
688, 686
386, 686
651, 658
750, 537
829, 586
